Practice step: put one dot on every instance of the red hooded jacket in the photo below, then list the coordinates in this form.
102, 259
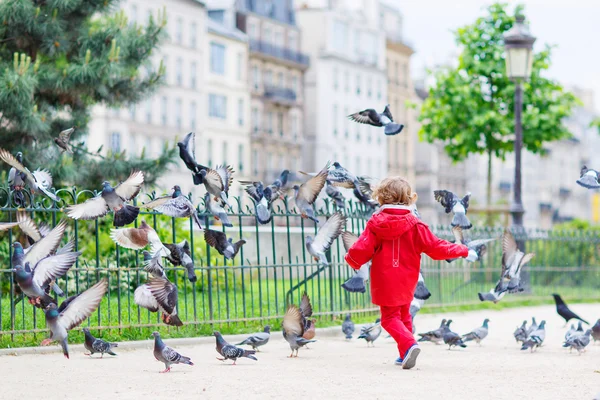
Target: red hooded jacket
394, 239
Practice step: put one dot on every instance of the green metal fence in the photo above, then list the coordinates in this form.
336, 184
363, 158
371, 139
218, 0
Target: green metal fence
271, 270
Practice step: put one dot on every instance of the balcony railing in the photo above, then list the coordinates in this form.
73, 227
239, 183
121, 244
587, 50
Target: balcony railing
280, 94
278, 52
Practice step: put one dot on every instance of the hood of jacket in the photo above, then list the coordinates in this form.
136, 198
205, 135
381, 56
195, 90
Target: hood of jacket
391, 222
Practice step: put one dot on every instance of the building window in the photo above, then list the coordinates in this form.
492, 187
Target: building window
115, 142
268, 78
193, 115
335, 79
217, 58
396, 72
149, 111
251, 30
340, 34
132, 112
346, 123
240, 158
369, 171
254, 162
295, 84
178, 71
295, 127
255, 77
179, 30
369, 89
269, 164
163, 110
178, 113
240, 66
132, 145
378, 89
281, 162
280, 123
280, 79
357, 164
193, 34
405, 74
193, 69
165, 61
133, 15
358, 85
225, 155
292, 42
209, 152
241, 112
217, 106
255, 121
267, 36
270, 122
335, 119
357, 132
346, 81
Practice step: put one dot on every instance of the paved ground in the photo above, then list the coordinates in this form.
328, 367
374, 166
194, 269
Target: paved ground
332, 368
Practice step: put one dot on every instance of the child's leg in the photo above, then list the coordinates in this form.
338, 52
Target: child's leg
406, 318
391, 321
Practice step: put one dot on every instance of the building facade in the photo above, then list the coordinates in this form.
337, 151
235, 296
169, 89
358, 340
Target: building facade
347, 74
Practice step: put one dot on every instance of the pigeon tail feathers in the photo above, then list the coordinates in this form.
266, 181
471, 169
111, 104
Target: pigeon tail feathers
126, 215
393, 129
460, 219
173, 321
356, 284
588, 182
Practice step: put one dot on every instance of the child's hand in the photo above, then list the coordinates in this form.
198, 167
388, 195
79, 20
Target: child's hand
472, 256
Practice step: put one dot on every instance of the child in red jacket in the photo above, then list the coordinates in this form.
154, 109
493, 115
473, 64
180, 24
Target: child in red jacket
394, 240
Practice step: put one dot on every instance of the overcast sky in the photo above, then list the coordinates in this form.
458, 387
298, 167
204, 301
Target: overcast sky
571, 25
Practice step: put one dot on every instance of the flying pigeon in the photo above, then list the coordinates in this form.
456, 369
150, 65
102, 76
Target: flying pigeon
63, 139
536, 338
452, 203
364, 193
295, 323
494, 295
371, 332
477, 334
335, 195
72, 312
340, 176
27, 226
435, 336
138, 238
223, 245
159, 294
153, 265
182, 256
596, 331
263, 199
513, 261
356, 284
348, 327
478, 245
421, 294
520, 333
230, 352
579, 341
281, 183
19, 177
258, 339
588, 178
307, 193
187, 154
217, 210
167, 355
452, 339
372, 117
563, 310
112, 199
95, 345
218, 181
326, 235
177, 206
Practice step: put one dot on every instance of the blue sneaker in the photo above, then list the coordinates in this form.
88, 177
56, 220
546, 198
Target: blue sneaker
410, 359
398, 361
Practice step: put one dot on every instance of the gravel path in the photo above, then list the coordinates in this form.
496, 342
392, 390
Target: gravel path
331, 368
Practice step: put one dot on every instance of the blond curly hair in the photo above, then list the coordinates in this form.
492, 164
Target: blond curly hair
395, 190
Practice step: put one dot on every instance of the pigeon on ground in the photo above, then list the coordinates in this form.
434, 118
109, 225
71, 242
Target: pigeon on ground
563, 310
536, 338
452, 339
230, 352
187, 154
138, 238
19, 177
72, 312
95, 345
159, 294
579, 341
258, 339
218, 181
478, 245
182, 256
372, 117
223, 245
371, 332
295, 323
177, 206
326, 235
263, 199
63, 139
572, 331
112, 199
356, 284
596, 331
348, 327
452, 203
217, 210
435, 336
477, 334
335, 195
167, 355
520, 333
153, 265
307, 193
532, 327
588, 178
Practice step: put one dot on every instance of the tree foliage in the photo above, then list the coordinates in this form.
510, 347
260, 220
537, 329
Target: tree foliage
471, 107
58, 58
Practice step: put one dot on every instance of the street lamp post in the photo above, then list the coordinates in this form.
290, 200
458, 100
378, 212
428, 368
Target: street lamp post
518, 43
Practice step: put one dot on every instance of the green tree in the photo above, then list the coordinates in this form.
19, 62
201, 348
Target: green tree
59, 58
470, 107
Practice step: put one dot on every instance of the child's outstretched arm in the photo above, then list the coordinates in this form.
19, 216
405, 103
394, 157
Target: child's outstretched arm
362, 250
437, 248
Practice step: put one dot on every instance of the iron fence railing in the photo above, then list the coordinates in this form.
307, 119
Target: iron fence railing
271, 270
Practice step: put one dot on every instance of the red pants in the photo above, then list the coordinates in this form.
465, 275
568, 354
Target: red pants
396, 320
